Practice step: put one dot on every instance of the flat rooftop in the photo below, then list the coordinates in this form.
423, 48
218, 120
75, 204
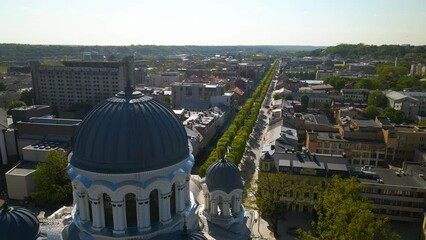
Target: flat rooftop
23, 169
390, 177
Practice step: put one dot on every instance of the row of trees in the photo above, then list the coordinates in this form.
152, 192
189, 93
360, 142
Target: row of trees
302, 75
237, 135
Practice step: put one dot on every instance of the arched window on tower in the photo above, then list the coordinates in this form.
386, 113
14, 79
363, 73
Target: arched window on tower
90, 208
220, 204
131, 215
173, 200
109, 223
153, 207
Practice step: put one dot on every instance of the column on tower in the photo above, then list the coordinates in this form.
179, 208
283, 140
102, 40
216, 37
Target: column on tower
144, 218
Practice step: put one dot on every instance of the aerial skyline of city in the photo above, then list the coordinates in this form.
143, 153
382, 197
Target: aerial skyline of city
308, 22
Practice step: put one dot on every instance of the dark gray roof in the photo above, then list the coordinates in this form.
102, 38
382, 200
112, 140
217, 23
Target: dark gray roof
178, 235
18, 224
223, 175
129, 133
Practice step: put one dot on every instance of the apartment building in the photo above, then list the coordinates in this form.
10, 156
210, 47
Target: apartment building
163, 80
404, 102
195, 96
357, 95
62, 86
403, 141
397, 194
357, 151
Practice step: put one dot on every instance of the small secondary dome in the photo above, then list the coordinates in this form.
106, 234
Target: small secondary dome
129, 133
18, 224
223, 175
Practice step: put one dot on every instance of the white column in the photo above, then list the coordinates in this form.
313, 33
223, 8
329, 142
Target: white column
96, 214
180, 198
234, 204
187, 192
144, 218
118, 217
165, 208
237, 207
225, 208
82, 206
213, 208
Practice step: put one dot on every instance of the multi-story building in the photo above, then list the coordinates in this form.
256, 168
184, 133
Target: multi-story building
163, 80
421, 97
361, 141
306, 174
403, 141
357, 95
195, 96
397, 194
62, 86
403, 102
357, 151
418, 69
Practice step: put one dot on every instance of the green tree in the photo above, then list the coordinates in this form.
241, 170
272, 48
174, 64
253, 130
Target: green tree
8, 105
27, 96
2, 86
167, 101
396, 116
337, 82
276, 96
343, 213
369, 83
304, 99
268, 196
289, 96
377, 99
227, 86
391, 70
52, 183
371, 111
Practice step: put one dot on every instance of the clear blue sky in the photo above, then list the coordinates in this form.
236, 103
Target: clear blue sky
214, 22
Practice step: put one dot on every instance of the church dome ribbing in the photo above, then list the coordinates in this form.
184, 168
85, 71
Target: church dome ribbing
223, 175
129, 133
18, 224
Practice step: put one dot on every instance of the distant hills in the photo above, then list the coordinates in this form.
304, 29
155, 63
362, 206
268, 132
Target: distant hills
12, 54
368, 52
25, 52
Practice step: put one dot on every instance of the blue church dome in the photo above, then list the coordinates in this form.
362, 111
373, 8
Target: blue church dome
129, 133
18, 224
223, 175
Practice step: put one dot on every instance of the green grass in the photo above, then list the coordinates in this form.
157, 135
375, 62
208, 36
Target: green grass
3, 69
